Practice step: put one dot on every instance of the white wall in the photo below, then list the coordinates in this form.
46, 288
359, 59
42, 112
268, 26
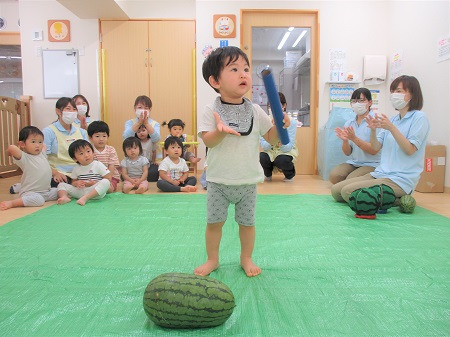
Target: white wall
360, 27
84, 35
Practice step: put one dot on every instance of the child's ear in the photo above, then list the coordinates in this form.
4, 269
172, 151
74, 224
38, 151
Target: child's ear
212, 82
21, 144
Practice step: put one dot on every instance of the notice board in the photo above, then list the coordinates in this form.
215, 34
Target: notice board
60, 72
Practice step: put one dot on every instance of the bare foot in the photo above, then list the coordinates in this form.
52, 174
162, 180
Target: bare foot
250, 268
126, 190
188, 188
194, 160
4, 205
82, 201
140, 190
63, 200
206, 268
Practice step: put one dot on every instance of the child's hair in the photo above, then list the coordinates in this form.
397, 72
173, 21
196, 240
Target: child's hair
78, 144
130, 142
174, 122
172, 140
411, 84
63, 101
97, 126
148, 136
84, 99
145, 100
366, 93
28, 131
219, 59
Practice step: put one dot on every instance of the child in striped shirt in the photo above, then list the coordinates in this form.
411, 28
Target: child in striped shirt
90, 178
98, 132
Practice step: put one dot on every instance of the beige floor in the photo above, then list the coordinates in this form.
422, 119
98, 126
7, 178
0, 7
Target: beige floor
436, 202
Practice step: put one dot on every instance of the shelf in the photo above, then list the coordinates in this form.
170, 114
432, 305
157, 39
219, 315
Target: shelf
343, 82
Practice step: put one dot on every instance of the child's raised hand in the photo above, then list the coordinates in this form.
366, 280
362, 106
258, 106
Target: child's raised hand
221, 127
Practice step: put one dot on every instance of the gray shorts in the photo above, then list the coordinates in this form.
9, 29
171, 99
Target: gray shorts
35, 199
221, 196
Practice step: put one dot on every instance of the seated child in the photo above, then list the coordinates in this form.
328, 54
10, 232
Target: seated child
176, 128
90, 178
173, 170
134, 167
148, 147
37, 173
98, 132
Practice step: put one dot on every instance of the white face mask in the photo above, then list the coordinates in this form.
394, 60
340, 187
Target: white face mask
82, 109
69, 117
359, 108
140, 112
398, 100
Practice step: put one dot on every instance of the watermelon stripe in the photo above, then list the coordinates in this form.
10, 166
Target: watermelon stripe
156, 312
150, 294
190, 307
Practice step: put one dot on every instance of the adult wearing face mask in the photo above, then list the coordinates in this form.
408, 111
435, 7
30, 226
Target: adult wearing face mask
355, 137
402, 140
83, 119
142, 108
57, 138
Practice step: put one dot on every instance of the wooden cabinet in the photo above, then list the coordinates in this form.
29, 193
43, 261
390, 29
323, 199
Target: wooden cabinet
153, 58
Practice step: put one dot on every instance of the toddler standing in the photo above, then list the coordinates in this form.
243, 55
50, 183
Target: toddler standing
134, 167
90, 178
37, 173
173, 170
231, 128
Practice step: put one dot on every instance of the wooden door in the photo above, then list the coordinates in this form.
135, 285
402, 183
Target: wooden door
171, 59
306, 136
125, 73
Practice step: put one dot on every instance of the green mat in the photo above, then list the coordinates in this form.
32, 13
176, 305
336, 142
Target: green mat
81, 271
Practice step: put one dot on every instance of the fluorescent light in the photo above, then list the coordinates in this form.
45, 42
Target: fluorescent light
299, 38
283, 40
291, 29
16, 57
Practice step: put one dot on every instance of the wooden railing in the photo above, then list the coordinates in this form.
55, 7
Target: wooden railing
14, 115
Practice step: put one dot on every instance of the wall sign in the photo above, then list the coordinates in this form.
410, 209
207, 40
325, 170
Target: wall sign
224, 25
59, 30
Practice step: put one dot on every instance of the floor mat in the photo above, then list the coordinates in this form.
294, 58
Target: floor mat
81, 271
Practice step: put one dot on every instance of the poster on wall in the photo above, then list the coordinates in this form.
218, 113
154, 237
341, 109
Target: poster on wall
58, 30
443, 49
338, 60
396, 65
224, 25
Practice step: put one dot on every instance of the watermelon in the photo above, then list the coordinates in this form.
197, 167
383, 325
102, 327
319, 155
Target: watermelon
386, 196
407, 204
364, 201
182, 301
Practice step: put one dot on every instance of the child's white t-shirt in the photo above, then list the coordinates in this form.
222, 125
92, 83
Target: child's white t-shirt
37, 172
174, 171
235, 160
94, 171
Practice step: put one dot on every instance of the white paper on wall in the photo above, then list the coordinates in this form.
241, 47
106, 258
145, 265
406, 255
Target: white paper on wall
374, 69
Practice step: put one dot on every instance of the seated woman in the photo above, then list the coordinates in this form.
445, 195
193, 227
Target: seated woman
83, 119
280, 156
57, 138
402, 139
356, 140
142, 108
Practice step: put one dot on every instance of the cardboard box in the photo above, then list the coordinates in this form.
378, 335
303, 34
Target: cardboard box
432, 177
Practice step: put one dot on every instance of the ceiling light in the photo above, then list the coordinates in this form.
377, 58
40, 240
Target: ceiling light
298, 39
283, 40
